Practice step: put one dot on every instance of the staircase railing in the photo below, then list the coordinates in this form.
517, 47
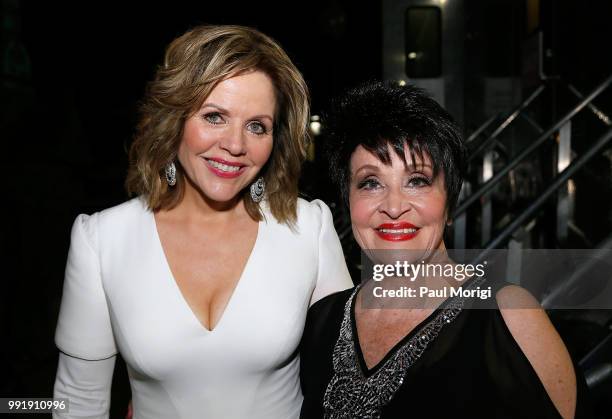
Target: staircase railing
506, 122
557, 182
494, 181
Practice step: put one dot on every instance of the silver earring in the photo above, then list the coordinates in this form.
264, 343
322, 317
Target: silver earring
171, 174
258, 188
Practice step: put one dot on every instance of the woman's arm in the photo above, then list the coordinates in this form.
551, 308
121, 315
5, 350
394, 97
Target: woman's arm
536, 336
332, 273
86, 385
84, 333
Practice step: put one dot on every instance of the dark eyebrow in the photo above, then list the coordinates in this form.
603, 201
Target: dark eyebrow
409, 166
418, 166
366, 167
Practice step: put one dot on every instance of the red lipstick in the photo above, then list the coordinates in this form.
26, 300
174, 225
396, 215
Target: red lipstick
396, 232
223, 168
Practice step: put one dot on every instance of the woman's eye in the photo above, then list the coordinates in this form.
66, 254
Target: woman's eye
419, 182
257, 128
368, 184
214, 118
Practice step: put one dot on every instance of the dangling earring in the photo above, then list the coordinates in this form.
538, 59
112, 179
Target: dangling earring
171, 174
258, 189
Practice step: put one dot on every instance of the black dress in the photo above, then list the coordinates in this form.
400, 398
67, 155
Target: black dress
458, 363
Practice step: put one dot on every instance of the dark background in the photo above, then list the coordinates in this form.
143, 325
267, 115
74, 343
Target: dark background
73, 74
69, 106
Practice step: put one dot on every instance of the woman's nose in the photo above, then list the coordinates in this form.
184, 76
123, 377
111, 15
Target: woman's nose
394, 204
234, 141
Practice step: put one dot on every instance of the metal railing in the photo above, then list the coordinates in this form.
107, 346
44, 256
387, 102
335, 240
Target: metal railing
557, 182
505, 123
494, 181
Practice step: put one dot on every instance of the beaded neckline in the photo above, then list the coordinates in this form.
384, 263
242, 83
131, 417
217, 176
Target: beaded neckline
354, 393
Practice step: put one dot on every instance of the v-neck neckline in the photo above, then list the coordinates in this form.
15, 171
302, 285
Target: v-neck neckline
179, 293
368, 372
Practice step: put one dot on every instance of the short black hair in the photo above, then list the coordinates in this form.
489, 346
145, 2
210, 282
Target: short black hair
379, 115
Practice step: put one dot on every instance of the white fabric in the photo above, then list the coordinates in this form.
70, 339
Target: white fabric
87, 386
119, 295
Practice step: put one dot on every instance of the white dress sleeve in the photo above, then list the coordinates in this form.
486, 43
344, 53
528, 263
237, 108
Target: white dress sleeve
86, 385
84, 332
332, 274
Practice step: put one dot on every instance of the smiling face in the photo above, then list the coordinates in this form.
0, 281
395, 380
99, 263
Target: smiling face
229, 139
396, 206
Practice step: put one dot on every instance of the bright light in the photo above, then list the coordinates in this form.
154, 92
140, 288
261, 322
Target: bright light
412, 55
315, 127
402, 82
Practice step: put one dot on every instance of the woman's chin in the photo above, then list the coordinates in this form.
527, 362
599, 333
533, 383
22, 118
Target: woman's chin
390, 252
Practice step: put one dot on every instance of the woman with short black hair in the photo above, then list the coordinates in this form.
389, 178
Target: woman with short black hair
398, 159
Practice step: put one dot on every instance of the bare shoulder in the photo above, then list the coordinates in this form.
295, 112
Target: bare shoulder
536, 336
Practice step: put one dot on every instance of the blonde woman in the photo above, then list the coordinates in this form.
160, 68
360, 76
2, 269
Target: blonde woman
202, 282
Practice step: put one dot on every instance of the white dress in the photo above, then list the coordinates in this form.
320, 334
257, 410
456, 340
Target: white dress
119, 296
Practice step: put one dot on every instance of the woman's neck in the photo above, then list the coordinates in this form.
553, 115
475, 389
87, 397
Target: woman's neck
196, 206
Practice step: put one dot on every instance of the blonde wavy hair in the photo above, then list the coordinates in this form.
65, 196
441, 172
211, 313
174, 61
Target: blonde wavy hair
194, 64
